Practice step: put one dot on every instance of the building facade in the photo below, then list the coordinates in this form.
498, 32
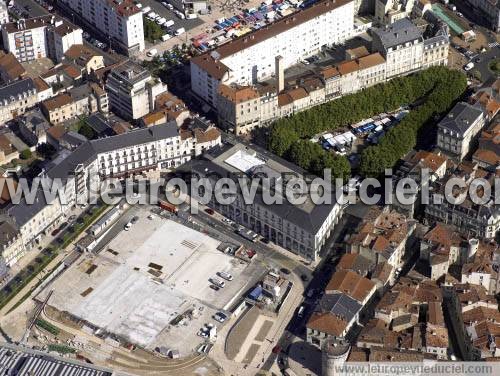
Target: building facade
132, 91
489, 10
251, 58
458, 130
35, 38
119, 21
302, 229
16, 98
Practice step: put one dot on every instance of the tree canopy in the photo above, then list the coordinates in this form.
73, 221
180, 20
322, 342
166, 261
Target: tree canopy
438, 87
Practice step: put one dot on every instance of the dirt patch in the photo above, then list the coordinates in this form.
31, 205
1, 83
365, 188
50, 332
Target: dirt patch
239, 332
251, 353
264, 329
87, 291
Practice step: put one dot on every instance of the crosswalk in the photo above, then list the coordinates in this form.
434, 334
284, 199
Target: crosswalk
493, 45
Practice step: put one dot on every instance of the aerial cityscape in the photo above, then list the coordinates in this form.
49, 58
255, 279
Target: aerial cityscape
249, 187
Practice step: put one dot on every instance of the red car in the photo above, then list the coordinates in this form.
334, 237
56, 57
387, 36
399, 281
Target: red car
276, 349
209, 211
55, 232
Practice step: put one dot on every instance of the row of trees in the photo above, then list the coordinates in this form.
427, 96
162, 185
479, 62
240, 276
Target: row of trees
289, 136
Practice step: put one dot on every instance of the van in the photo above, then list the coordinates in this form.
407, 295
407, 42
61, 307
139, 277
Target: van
152, 52
166, 37
180, 31
169, 23
191, 16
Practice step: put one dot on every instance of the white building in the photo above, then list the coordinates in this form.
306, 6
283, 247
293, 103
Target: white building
120, 21
458, 130
132, 90
39, 37
401, 43
4, 14
135, 152
251, 58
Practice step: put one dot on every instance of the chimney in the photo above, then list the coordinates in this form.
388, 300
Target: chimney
279, 73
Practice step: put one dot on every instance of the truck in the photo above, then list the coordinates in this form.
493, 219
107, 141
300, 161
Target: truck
165, 205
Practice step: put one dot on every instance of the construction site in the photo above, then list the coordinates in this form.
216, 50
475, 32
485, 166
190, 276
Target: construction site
151, 285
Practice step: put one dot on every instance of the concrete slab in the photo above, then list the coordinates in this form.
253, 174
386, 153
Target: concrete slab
145, 278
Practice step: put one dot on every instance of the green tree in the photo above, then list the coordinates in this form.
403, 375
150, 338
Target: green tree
87, 131
25, 154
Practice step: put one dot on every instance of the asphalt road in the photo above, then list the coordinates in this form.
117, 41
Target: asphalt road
158, 8
482, 65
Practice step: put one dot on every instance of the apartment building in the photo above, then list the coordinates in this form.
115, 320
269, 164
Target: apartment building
35, 38
33, 127
458, 130
85, 58
16, 98
402, 45
118, 21
472, 219
10, 68
382, 237
300, 228
390, 11
4, 14
241, 108
487, 155
128, 154
251, 58
489, 11
81, 100
11, 243
132, 90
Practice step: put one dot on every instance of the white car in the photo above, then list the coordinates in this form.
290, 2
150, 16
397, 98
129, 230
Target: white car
220, 317
469, 66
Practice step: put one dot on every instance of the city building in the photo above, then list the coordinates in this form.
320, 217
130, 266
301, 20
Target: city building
458, 130
4, 13
33, 127
402, 45
16, 98
489, 11
80, 100
10, 68
382, 237
11, 243
487, 155
25, 361
470, 218
390, 11
251, 58
243, 107
118, 21
301, 228
352, 284
132, 90
84, 57
332, 318
35, 38
132, 153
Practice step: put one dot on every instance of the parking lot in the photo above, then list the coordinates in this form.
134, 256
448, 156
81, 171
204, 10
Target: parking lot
151, 284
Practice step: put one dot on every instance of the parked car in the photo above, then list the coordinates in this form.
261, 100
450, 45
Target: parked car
468, 66
55, 232
134, 220
220, 317
209, 211
225, 275
213, 287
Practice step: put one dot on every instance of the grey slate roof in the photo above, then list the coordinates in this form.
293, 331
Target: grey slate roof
15, 88
99, 124
311, 221
87, 152
340, 305
23, 212
460, 118
399, 32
